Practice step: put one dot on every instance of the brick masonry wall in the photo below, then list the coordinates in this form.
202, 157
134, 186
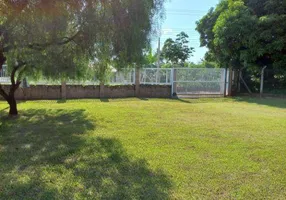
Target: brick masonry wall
120, 91
81, 92
155, 91
37, 92
46, 92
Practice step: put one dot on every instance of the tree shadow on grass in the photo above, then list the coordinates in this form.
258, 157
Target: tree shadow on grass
143, 99
105, 100
6, 108
61, 101
182, 100
49, 154
273, 102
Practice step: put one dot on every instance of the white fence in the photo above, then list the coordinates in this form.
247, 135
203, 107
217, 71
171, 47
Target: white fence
156, 76
184, 81
123, 77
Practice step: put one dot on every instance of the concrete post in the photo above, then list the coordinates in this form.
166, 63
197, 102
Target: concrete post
222, 82
174, 83
262, 81
64, 90
137, 82
101, 90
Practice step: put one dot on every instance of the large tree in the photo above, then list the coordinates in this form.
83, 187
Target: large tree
178, 51
60, 38
240, 31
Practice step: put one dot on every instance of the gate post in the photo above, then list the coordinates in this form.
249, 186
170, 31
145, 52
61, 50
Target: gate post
64, 90
230, 82
262, 80
174, 82
222, 82
101, 90
225, 82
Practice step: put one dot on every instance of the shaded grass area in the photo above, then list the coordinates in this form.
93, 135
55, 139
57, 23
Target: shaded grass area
274, 102
144, 149
44, 154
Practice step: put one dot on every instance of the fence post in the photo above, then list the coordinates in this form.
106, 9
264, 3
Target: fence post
230, 82
174, 82
137, 81
262, 81
222, 82
225, 82
101, 90
64, 90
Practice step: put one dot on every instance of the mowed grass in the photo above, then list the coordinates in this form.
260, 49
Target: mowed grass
144, 149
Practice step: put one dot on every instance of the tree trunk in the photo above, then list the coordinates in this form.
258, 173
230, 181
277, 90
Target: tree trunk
13, 106
10, 97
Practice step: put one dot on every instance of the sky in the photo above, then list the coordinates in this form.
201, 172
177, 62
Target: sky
181, 15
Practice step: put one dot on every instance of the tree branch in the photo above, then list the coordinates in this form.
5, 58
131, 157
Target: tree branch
2, 59
39, 46
19, 77
15, 69
65, 40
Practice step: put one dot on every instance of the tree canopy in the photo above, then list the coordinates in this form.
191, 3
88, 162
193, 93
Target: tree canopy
178, 51
239, 31
60, 38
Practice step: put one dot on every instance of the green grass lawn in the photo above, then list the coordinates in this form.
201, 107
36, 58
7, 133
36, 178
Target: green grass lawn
144, 149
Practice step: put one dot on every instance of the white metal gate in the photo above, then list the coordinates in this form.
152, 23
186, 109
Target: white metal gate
199, 82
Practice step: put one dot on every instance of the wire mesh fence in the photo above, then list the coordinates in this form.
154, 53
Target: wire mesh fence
274, 81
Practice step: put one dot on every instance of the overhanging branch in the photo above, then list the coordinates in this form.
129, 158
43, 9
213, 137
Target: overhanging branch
15, 69
2, 59
20, 75
63, 41
42, 46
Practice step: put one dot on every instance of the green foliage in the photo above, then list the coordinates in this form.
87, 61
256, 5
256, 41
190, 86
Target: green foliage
178, 51
150, 59
59, 38
202, 64
239, 31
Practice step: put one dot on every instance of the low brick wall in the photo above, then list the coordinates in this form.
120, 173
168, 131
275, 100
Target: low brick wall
46, 92
120, 91
155, 91
37, 92
81, 92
